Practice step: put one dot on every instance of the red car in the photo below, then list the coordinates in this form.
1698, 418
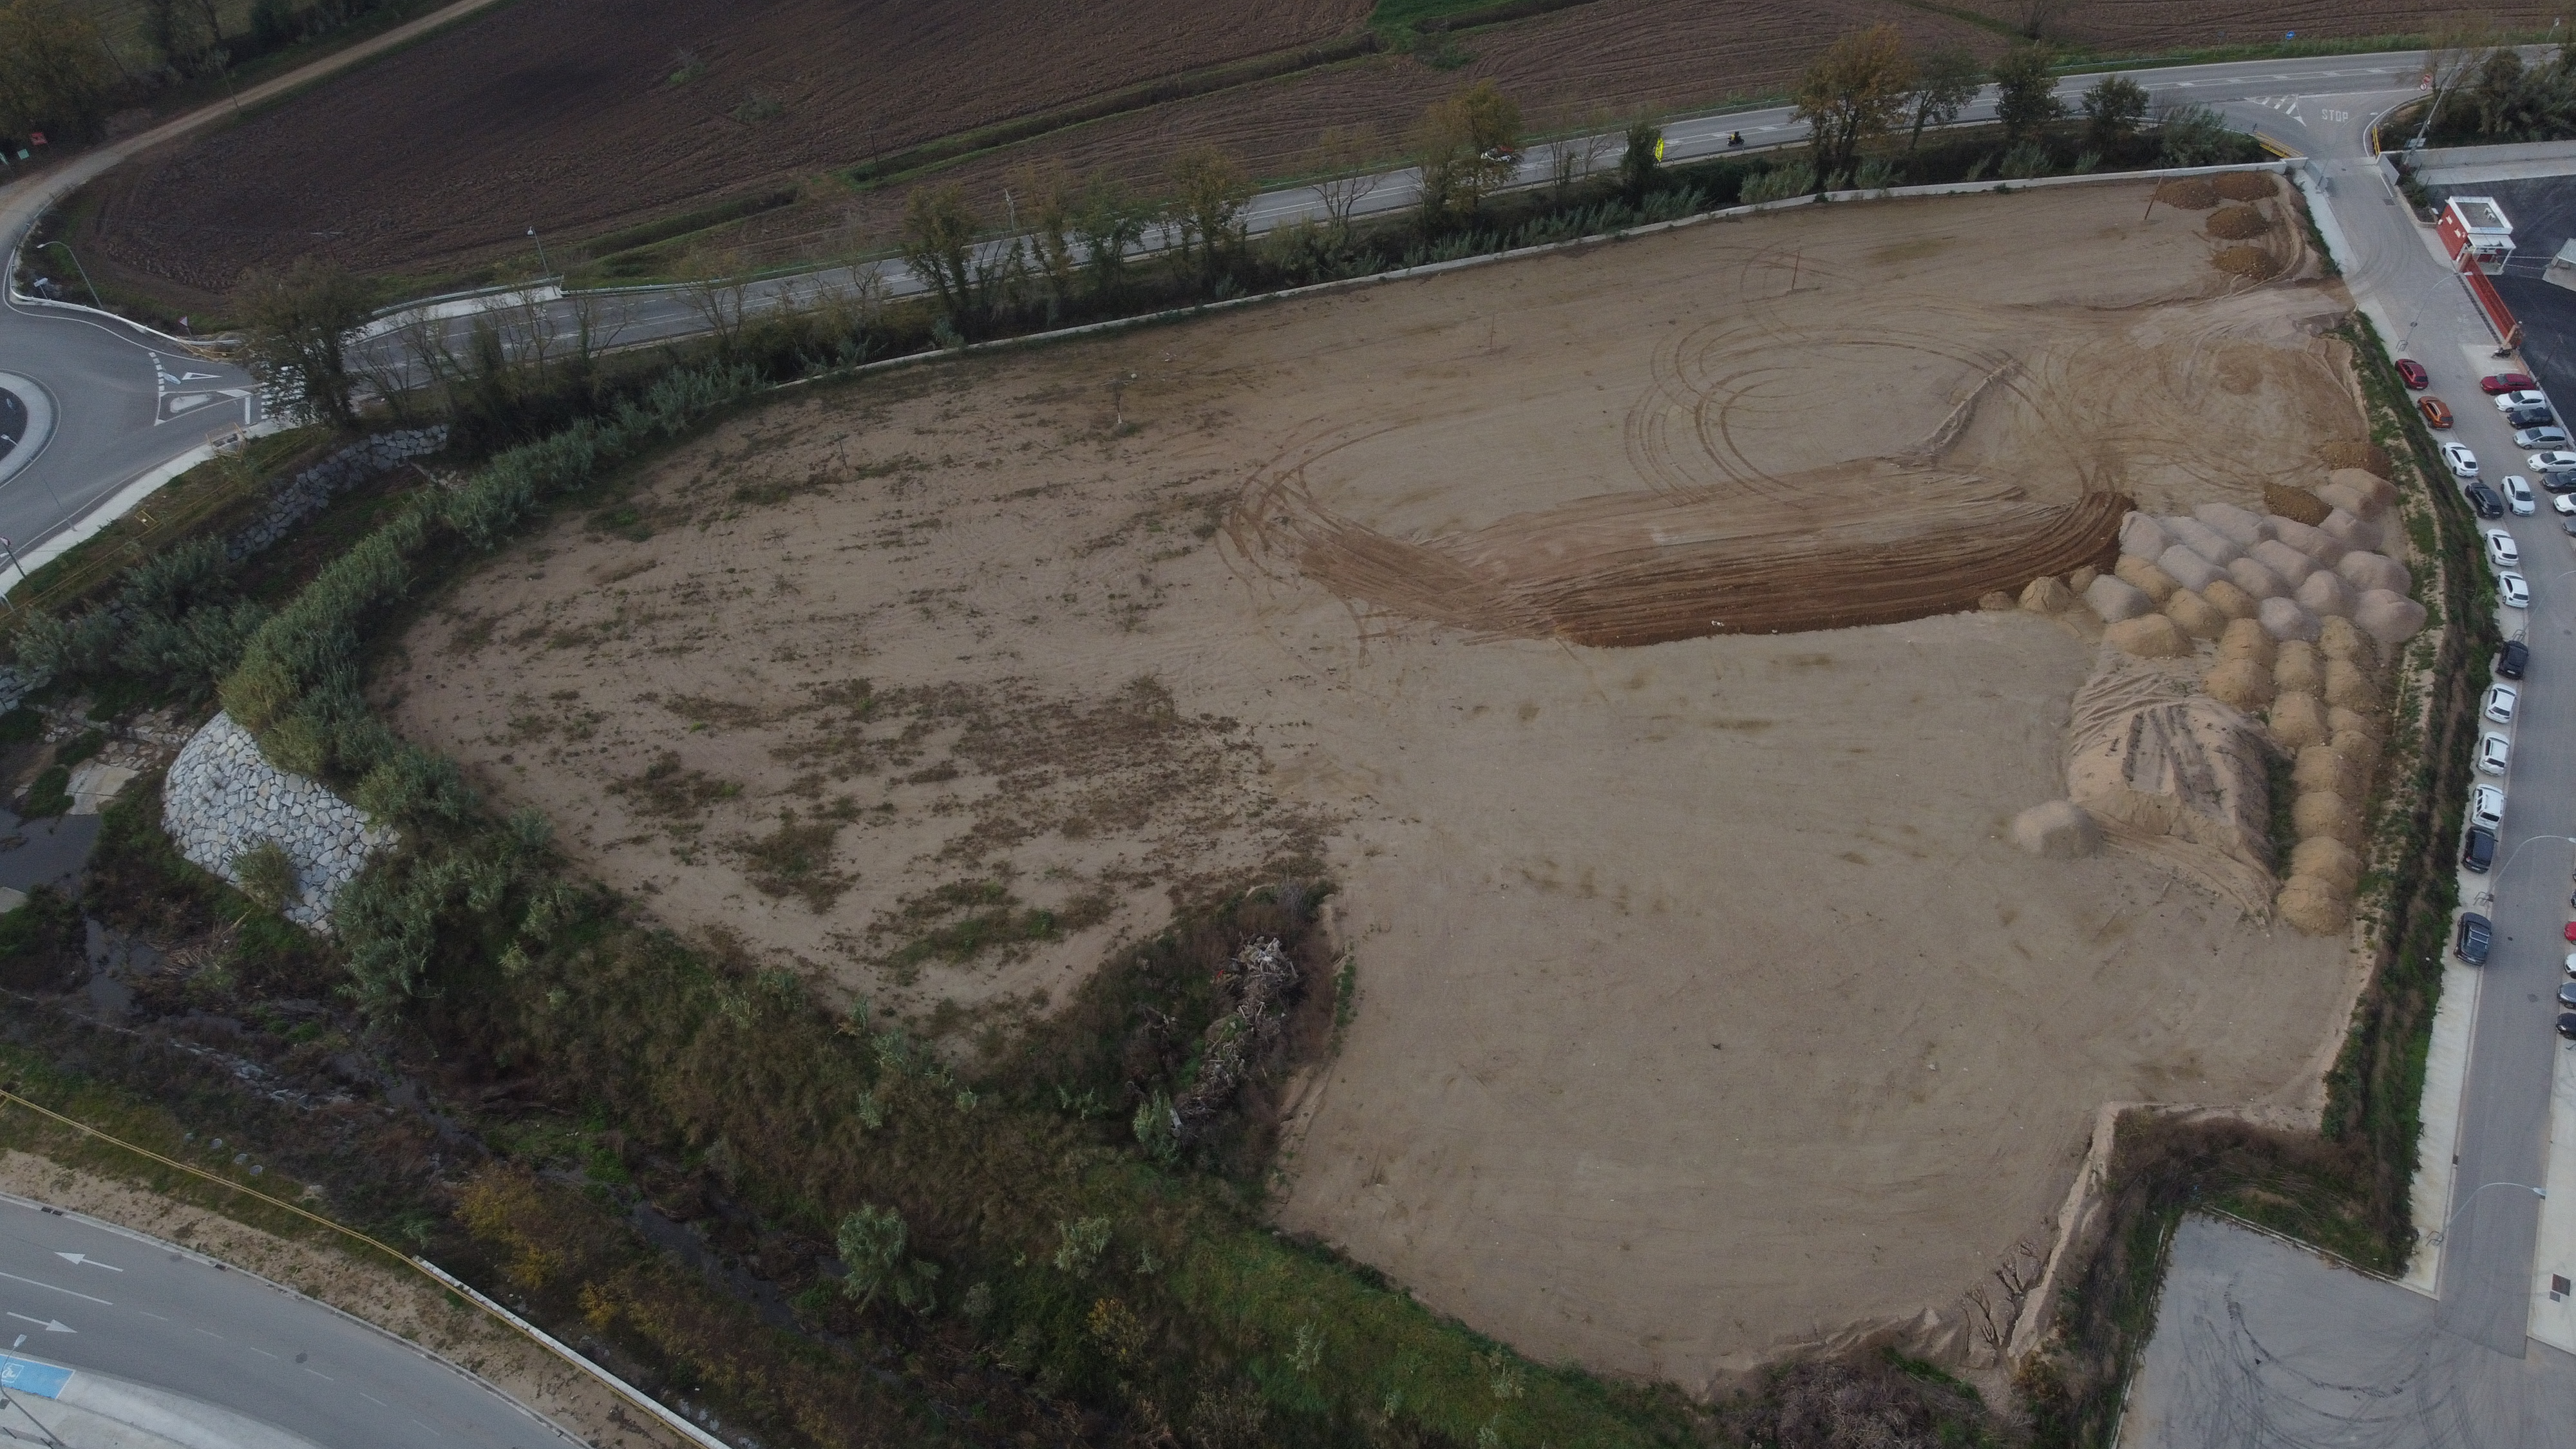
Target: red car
2412, 373
2507, 382
2434, 412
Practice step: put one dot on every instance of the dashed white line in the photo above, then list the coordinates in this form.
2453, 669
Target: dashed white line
372, 1399
263, 1353
317, 1373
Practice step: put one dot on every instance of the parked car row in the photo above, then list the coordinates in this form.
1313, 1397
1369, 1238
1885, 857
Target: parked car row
2501, 705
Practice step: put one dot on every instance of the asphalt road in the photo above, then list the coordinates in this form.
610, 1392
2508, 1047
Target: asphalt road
96, 1299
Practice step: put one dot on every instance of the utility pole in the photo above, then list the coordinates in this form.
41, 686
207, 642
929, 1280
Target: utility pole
543, 270
84, 273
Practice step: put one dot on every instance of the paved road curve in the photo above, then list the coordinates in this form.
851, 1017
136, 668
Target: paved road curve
95, 1298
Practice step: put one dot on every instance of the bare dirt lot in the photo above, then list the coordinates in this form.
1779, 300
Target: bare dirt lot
1703, 1005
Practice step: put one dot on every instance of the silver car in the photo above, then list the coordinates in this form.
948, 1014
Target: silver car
2541, 438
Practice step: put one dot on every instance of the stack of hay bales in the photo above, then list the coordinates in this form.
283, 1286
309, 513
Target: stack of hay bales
2335, 743
2222, 563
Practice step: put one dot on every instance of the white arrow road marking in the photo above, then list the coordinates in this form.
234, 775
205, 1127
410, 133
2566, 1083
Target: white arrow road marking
40, 1283
77, 1259
48, 1324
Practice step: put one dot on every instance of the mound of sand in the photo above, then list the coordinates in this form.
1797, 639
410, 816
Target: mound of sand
2297, 670
2226, 598
2367, 571
2248, 261
2313, 906
2145, 577
2343, 639
2358, 454
2058, 830
2295, 504
2245, 639
2244, 185
2299, 720
2240, 683
2047, 594
2198, 616
2191, 193
2326, 859
2286, 563
2149, 636
2388, 617
2312, 543
2238, 223
2116, 600
2179, 777
2358, 491
2257, 580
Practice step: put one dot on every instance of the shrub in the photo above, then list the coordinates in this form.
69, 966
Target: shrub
267, 875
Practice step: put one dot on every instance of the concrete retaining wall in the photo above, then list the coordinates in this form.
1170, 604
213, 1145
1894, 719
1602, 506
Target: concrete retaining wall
222, 799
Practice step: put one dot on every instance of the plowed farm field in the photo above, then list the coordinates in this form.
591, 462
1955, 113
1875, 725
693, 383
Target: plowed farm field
1704, 1006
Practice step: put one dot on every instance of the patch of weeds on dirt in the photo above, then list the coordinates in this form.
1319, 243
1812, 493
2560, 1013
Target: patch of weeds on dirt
796, 860
671, 790
50, 795
2283, 831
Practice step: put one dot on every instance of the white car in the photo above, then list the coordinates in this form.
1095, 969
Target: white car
2519, 497
2507, 401
2502, 551
2462, 462
2501, 698
2516, 590
2494, 753
2543, 462
2541, 438
2486, 807
2564, 502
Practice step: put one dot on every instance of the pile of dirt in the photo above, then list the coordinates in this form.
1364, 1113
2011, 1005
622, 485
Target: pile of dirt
2247, 261
2191, 193
2245, 185
2177, 776
2238, 223
2359, 453
2296, 504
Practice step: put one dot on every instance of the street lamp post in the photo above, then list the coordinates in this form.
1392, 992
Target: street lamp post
2436, 1239
84, 273
2487, 897
544, 269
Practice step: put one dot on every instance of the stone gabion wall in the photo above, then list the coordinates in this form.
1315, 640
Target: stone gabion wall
222, 798
304, 496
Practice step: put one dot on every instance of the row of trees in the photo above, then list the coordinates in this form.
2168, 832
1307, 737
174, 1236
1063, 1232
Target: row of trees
2489, 93
62, 75
56, 72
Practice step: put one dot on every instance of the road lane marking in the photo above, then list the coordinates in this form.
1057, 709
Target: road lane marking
208, 1332
372, 1399
263, 1353
80, 1260
317, 1373
155, 1317
47, 1324
40, 1283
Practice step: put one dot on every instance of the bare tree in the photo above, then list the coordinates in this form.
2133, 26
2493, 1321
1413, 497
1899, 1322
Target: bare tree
1346, 155
298, 325
2453, 55
712, 284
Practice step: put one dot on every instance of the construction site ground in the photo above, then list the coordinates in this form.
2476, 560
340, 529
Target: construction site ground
1703, 1006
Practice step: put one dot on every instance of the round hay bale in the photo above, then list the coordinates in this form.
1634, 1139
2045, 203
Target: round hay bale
2187, 568
2237, 223
2292, 565
2140, 534
2145, 577
2240, 683
2242, 527
2295, 670
2296, 505
2226, 598
2378, 495
2047, 594
2082, 578
2245, 639
2351, 531
1995, 601
2248, 261
2313, 906
2310, 541
2324, 595
2116, 600
2325, 813
2195, 615
2204, 540
2319, 768
2190, 193
2392, 619
2298, 721
2148, 636
2358, 453
2342, 639
2244, 185
2366, 571
2284, 619
2328, 860
2348, 688
2058, 830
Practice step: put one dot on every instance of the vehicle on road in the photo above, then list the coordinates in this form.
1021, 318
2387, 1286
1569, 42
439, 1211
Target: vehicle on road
2542, 438
2543, 462
2505, 382
2530, 417
2486, 807
2477, 850
2565, 503
2483, 500
2518, 495
2501, 701
2567, 995
2477, 933
2412, 373
2558, 480
2502, 551
2458, 458
2435, 411
2512, 400
2567, 1025
2495, 753
2515, 590
2512, 659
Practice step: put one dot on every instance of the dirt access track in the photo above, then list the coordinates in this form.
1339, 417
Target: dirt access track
1703, 1006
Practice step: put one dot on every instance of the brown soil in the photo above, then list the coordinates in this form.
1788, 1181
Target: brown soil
1711, 941
2294, 503
2148, 27
2246, 185
2238, 223
2355, 453
407, 1305
2191, 193
2251, 262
